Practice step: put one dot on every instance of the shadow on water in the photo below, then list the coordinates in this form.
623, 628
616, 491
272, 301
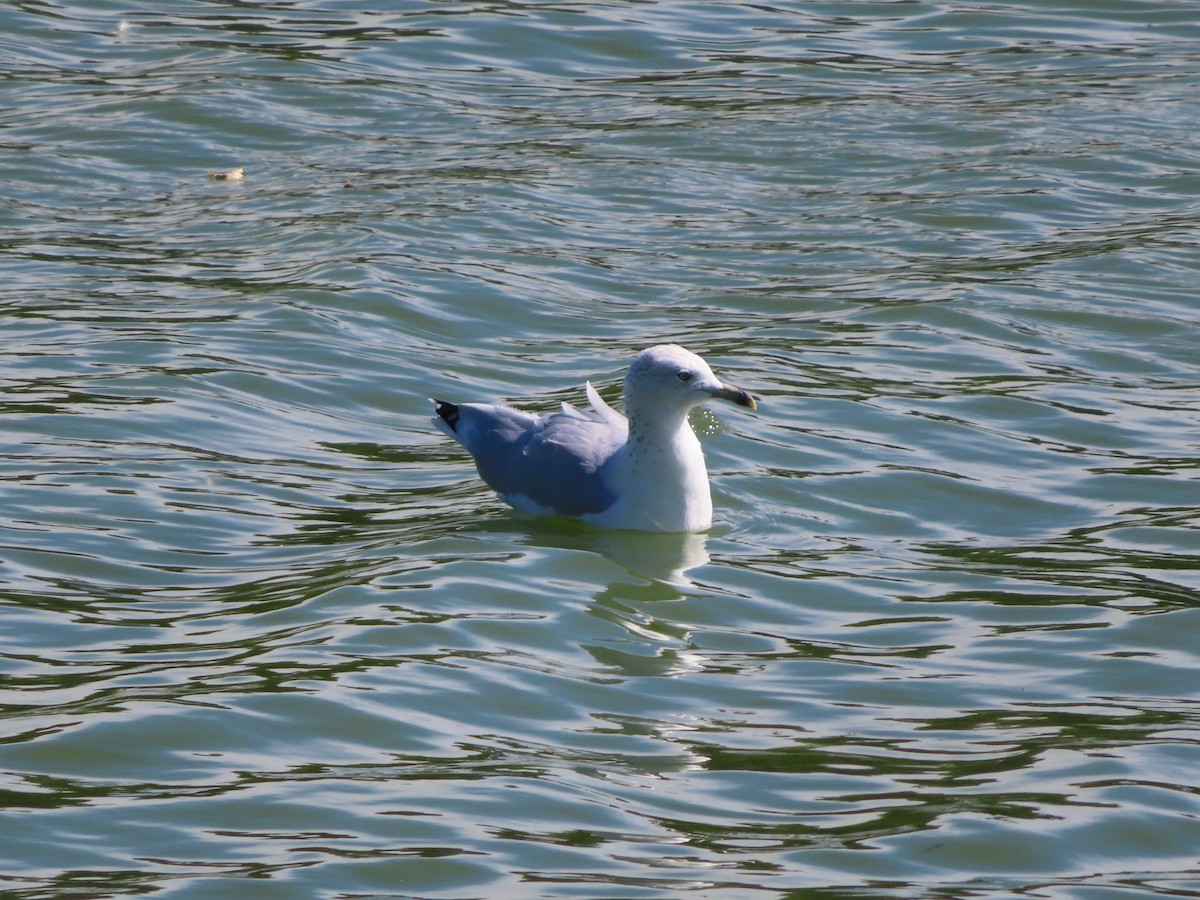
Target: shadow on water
664, 559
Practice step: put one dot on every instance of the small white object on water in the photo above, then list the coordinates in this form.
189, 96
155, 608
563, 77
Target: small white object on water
646, 472
234, 174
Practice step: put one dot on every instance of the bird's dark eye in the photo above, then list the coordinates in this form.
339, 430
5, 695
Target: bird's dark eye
685, 375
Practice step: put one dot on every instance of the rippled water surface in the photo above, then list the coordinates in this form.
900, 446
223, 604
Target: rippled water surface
266, 635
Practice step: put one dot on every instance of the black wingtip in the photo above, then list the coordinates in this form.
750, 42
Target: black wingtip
448, 413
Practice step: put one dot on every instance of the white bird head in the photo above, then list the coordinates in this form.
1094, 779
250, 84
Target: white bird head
668, 378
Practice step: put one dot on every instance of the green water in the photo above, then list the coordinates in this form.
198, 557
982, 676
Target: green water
266, 635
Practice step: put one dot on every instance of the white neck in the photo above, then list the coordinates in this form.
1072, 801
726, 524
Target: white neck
667, 475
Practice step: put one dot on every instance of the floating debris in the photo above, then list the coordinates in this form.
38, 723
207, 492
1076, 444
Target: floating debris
236, 174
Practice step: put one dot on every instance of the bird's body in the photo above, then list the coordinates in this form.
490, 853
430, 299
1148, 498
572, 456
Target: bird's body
646, 472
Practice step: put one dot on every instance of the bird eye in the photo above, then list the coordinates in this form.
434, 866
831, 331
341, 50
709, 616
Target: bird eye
685, 375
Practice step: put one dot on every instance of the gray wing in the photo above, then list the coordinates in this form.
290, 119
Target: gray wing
552, 461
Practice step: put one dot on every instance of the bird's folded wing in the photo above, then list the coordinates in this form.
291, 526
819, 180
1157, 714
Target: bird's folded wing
552, 463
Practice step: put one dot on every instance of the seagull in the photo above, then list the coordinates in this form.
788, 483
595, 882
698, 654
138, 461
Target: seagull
645, 472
